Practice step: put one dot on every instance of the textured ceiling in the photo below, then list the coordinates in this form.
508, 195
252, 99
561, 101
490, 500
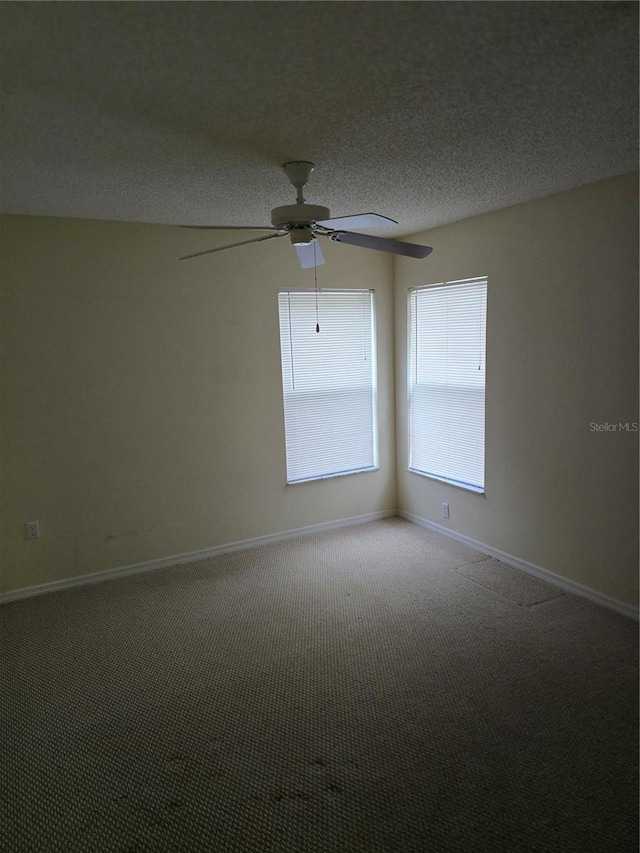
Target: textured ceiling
426, 112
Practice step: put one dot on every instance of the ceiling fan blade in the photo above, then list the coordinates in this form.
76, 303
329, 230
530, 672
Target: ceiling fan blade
231, 227
396, 247
358, 220
306, 255
232, 245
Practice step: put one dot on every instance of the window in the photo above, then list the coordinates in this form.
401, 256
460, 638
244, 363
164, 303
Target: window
329, 382
447, 334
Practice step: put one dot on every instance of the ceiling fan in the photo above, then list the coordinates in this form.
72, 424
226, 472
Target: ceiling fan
304, 223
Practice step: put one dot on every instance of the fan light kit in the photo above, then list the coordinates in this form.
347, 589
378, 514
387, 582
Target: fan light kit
304, 223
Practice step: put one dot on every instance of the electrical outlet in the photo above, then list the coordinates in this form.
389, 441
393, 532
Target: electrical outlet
445, 510
32, 529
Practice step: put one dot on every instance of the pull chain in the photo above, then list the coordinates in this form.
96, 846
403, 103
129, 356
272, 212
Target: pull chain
315, 276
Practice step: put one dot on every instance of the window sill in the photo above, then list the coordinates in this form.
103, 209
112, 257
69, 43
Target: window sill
478, 490
332, 476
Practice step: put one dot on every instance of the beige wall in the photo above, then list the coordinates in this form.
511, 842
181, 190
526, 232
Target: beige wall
141, 396
562, 353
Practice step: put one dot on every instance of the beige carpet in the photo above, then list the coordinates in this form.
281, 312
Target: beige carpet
377, 689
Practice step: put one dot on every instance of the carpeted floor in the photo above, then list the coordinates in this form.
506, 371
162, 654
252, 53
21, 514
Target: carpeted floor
377, 689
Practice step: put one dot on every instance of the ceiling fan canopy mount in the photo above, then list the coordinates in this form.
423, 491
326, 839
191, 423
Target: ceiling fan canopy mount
298, 172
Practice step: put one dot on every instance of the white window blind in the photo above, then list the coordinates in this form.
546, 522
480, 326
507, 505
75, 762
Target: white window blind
329, 382
447, 343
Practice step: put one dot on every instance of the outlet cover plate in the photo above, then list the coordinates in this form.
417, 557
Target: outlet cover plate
32, 529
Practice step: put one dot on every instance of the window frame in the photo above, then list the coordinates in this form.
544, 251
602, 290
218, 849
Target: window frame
469, 487
374, 384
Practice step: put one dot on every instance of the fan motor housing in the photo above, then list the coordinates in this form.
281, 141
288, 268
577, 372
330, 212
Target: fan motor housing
292, 215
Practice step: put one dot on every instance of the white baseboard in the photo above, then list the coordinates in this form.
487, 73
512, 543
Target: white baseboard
191, 556
244, 544
530, 568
